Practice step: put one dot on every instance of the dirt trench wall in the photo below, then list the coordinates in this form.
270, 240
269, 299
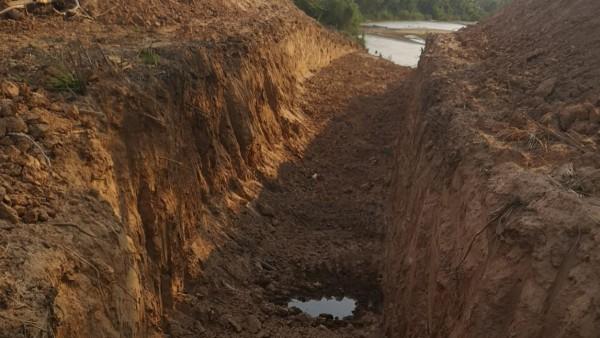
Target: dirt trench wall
485, 239
215, 132
142, 168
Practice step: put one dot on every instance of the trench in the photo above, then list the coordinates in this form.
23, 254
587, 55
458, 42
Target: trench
238, 187
202, 237
315, 231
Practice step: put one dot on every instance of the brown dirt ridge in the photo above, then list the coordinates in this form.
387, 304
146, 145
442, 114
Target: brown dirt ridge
170, 175
184, 168
496, 213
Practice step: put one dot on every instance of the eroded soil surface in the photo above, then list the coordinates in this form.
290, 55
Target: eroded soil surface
184, 169
495, 228
316, 230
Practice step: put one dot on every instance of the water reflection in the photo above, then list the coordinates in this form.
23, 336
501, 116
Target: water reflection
403, 53
445, 26
407, 48
338, 308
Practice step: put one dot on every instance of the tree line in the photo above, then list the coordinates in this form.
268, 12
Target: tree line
346, 15
469, 10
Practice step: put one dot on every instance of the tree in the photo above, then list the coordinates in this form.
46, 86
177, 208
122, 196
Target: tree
344, 15
310, 7
436, 9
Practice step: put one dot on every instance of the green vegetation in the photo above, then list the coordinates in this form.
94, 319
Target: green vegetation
67, 81
470, 10
149, 56
491, 6
346, 15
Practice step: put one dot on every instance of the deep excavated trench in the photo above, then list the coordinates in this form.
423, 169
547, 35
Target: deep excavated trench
255, 162
316, 228
197, 196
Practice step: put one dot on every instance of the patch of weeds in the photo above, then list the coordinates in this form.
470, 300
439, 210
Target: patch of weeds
67, 81
69, 68
149, 57
19, 78
534, 142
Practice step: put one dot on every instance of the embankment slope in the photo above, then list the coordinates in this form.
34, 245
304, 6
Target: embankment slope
113, 192
496, 212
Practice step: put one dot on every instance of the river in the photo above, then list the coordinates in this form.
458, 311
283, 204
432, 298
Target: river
402, 42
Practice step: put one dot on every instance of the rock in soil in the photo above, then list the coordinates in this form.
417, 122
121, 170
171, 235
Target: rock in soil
13, 124
8, 213
9, 89
253, 324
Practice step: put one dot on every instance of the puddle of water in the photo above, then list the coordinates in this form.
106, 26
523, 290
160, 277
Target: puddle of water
337, 308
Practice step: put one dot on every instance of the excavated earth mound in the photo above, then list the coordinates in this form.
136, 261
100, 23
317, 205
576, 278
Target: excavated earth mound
496, 209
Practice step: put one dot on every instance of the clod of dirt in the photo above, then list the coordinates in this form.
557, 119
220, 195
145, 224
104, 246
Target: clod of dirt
234, 324
265, 209
546, 87
253, 324
8, 213
13, 124
575, 113
9, 89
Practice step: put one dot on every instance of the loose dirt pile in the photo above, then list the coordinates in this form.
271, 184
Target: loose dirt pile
496, 210
177, 174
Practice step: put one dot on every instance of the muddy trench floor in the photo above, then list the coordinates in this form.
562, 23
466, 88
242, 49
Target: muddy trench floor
317, 228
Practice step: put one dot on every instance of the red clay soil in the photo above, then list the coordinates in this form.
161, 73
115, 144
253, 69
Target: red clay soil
496, 214
183, 169
187, 176
316, 229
